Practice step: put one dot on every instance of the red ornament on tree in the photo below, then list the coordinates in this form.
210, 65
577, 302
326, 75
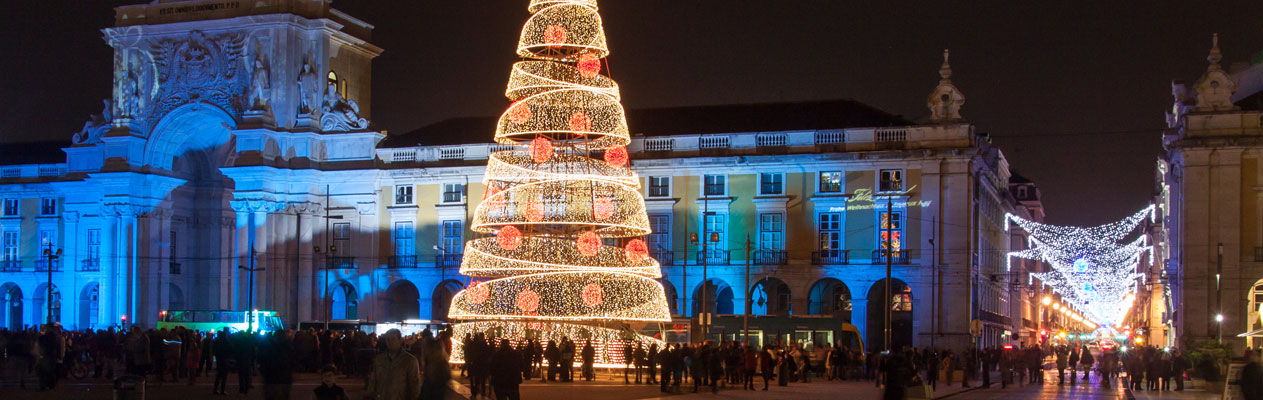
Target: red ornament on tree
478, 292
602, 208
589, 243
636, 250
509, 238
580, 122
589, 65
519, 112
528, 301
534, 211
555, 36
592, 294
616, 157
541, 149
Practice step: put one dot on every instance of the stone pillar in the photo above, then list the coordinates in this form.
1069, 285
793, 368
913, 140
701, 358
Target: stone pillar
241, 250
305, 265
859, 318
69, 285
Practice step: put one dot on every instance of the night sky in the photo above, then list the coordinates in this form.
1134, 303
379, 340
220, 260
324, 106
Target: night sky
1073, 92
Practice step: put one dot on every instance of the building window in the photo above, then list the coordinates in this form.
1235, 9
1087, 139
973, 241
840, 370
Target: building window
891, 180
10, 207
403, 195
659, 186
714, 185
830, 228
342, 235
94, 244
453, 192
1021, 192
831, 182
11, 246
715, 228
339, 85
660, 236
47, 206
890, 224
47, 238
771, 231
452, 240
404, 244
771, 183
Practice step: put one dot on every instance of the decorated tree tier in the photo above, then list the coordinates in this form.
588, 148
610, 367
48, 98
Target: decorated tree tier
562, 252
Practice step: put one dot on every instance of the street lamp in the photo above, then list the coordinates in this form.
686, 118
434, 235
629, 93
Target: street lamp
1219, 320
328, 300
51, 256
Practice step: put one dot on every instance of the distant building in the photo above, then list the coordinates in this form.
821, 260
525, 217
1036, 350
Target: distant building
233, 132
1211, 200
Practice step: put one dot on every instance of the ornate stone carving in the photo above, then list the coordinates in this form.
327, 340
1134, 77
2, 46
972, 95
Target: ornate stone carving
340, 115
366, 207
1215, 88
256, 205
304, 208
308, 84
123, 209
70, 216
260, 82
946, 100
128, 93
96, 126
199, 69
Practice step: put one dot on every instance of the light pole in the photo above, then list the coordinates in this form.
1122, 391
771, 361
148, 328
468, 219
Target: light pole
745, 320
889, 260
50, 256
325, 297
1219, 296
250, 288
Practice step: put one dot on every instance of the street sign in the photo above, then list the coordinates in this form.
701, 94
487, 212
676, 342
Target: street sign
975, 328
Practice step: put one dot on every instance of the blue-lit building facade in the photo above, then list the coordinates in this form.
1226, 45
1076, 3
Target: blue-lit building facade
238, 139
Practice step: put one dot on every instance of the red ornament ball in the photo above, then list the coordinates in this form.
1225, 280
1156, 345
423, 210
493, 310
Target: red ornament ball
589, 65
602, 208
580, 122
534, 211
509, 238
636, 250
541, 150
589, 243
519, 113
592, 294
528, 301
478, 292
616, 157
554, 36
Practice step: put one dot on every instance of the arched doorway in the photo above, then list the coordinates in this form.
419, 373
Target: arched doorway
12, 306
346, 302
401, 302
175, 297
41, 308
770, 296
442, 299
89, 306
673, 297
900, 315
830, 296
719, 298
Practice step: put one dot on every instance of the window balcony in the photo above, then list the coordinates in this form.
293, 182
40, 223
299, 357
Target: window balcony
448, 260
397, 262
712, 257
452, 197
664, 257
831, 257
41, 265
900, 257
770, 257
89, 265
340, 262
10, 266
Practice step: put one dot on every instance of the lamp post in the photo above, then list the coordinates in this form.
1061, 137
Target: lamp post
328, 301
250, 290
50, 256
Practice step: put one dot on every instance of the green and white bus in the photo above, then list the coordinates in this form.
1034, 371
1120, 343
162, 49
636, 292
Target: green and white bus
262, 321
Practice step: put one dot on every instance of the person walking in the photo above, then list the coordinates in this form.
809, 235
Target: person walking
1086, 360
243, 349
553, 355
589, 357
1073, 364
505, 374
651, 361
1179, 364
931, 370
396, 374
749, 363
276, 366
223, 361
638, 360
193, 359
766, 364
437, 373
628, 358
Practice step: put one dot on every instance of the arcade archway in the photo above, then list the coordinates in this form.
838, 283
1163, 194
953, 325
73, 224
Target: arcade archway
900, 315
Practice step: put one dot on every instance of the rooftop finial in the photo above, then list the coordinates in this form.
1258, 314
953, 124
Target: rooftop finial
945, 71
1215, 55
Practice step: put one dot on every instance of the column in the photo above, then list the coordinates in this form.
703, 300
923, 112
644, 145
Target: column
241, 251
859, 318
305, 267
69, 263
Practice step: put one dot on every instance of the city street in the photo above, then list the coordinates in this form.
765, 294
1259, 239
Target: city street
608, 388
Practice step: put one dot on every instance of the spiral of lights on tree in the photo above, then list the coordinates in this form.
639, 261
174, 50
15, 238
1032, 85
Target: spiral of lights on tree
1093, 268
562, 216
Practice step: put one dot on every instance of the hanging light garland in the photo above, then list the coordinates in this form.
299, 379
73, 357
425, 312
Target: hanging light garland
1093, 268
552, 203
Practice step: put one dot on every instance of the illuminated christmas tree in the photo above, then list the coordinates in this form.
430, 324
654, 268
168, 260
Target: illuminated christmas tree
563, 252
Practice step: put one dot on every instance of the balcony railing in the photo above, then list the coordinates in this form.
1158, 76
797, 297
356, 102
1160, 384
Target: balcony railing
340, 262
713, 257
174, 268
42, 265
448, 260
770, 257
89, 265
402, 262
452, 197
10, 266
664, 257
900, 257
831, 257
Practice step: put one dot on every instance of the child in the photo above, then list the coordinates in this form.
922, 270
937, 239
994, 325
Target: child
329, 389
